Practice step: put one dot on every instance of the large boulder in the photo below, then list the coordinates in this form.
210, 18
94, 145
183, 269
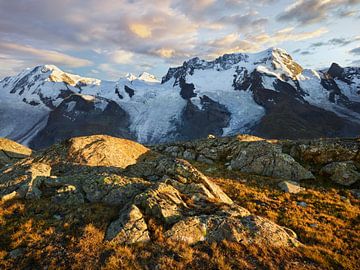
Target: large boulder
263, 158
96, 150
245, 228
344, 173
318, 153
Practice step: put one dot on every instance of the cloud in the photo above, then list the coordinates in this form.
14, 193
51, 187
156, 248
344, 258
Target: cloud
10, 66
165, 53
125, 34
121, 57
288, 34
141, 30
43, 56
355, 51
252, 43
335, 42
313, 11
111, 71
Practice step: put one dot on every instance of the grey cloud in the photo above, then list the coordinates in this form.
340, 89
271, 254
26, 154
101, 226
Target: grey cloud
166, 28
335, 42
355, 51
239, 14
306, 52
313, 11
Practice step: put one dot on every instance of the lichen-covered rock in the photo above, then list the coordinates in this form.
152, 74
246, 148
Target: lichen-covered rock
23, 179
323, 151
190, 230
68, 194
111, 189
148, 185
245, 229
163, 202
129, 228
266, 159
189, 154
344, 173
204, 159
184, 172
11, 152
96, 150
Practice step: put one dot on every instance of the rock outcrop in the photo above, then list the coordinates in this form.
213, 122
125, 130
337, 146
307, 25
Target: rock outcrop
129, 228
96, 150
267, 159
11, 151
248, 154
143, 185
295, 160
344, 173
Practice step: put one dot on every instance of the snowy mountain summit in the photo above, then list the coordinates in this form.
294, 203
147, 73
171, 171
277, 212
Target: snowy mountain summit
266, 94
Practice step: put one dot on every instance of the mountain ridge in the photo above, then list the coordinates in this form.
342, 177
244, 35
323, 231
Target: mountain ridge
249, 93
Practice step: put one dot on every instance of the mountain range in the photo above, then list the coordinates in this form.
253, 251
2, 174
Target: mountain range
266, 94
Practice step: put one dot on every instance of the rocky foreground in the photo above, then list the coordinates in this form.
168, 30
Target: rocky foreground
172, 196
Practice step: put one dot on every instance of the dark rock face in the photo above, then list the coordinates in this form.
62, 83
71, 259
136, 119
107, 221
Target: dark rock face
129, 91
76, 116
187, 89
199, 123
286, 107
335, 71
336, 96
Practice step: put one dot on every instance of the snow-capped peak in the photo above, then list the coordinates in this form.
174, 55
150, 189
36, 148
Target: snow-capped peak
147, 77
130, 77
281, 59
57, 75
273, 61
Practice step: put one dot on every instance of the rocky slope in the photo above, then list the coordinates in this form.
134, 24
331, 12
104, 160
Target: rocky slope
254, 93
141, 184
152, 190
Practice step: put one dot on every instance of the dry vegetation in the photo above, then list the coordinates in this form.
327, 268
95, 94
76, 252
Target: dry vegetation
57, 236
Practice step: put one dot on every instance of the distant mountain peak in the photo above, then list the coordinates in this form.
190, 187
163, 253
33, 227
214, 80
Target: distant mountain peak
130, 76
275, 61
147, 77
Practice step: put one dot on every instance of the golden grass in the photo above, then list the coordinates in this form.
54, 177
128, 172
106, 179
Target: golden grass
328, 227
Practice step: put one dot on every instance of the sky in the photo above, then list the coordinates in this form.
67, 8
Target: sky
106, 39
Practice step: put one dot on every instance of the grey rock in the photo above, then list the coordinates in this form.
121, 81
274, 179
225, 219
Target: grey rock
16, 253
302, 204
344, 173
129, 228
204, 159
245, 229
163, 202
189, 154
290, 187
266, 159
